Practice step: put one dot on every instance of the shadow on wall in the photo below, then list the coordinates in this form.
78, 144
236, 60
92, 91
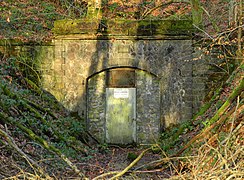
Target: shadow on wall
147, 120
148, 117
160, 98
97, 86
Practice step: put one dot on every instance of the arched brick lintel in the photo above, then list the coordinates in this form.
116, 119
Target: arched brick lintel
119, 67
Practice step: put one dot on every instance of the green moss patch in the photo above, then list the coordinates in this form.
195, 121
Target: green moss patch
123, 27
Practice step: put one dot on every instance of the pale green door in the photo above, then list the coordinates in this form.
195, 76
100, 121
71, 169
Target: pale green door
120, 115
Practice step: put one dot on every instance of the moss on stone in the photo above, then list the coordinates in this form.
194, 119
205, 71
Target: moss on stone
77, 26
19, 42
123, 27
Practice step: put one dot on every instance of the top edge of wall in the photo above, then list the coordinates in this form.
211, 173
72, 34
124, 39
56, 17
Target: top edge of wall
123, 28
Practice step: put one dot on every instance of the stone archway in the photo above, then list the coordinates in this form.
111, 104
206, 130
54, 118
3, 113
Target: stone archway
123, 106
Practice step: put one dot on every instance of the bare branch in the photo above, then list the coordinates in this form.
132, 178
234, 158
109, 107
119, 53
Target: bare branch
145, 14
11, 143
203, 31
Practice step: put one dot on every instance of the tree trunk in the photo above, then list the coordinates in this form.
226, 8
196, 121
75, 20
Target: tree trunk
239, 35
94, 9
196, 13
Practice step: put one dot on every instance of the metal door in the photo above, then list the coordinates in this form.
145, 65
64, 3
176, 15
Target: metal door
120, 115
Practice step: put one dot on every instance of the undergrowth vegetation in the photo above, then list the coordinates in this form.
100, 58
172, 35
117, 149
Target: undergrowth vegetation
27, 18
212, 144
35, 123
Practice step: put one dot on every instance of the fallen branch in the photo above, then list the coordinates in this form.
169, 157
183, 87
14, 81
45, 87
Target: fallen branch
163, 160
202, 134
121, 173
106, 174
131, 164
102, 176
11, 143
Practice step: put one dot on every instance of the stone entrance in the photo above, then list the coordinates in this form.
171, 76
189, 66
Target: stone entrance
123, 106
85, 75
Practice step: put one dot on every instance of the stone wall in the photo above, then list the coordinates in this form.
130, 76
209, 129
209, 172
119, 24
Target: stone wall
148, 107
96, 103
160, 54
170, 60
209, 71
171, 79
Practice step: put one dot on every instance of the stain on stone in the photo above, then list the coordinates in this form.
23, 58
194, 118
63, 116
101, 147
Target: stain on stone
169, 50
146, 30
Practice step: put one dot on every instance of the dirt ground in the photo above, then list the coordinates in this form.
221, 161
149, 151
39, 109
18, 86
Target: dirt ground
116, 159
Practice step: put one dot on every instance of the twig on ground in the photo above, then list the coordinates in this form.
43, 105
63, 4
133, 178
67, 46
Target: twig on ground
131, 164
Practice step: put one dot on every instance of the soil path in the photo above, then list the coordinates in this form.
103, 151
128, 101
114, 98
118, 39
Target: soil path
116, 159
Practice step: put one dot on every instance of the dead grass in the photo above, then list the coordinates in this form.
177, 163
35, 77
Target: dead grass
220, 156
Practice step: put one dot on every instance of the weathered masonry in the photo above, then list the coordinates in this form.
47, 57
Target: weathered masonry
128, 79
